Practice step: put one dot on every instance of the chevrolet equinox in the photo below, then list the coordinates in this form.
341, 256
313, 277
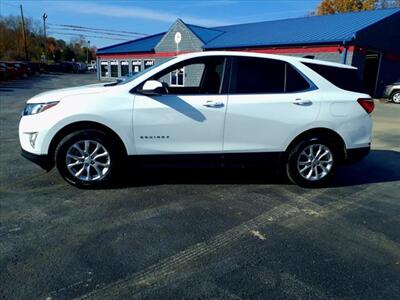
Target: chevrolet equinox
298, 115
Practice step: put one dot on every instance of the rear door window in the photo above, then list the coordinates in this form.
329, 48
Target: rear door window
252, 75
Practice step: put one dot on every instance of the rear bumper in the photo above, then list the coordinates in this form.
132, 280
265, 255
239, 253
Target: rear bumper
357, 154
42, 160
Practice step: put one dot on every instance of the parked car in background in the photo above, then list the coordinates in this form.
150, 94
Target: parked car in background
63, 67
23, 70
3, 72
69, 67
56, 67
82, 67
11, 70
392, 92
301, 116
92, 66
38, 67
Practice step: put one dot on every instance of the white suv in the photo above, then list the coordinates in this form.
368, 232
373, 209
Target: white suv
299, 115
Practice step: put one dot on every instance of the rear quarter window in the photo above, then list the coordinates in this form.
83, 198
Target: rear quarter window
344, 78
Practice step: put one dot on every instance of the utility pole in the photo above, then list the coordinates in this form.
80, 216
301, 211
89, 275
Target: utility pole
87, 52
24, 33
45, 37
360, 5
44, 24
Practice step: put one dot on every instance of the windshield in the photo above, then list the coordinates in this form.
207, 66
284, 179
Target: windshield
131, 77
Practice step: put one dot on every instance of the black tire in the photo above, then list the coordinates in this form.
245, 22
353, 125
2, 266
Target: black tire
395, 96
292, 167
94, 137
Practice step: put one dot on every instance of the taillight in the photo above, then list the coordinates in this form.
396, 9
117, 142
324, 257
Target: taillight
367, 103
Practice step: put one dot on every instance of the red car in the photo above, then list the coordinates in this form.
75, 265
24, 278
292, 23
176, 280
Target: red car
22, 68
11, 71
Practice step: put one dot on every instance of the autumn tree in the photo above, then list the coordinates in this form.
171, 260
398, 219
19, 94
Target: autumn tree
12, 43
328, 7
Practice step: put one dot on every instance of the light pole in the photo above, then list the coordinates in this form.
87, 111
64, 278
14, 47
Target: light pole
87, 52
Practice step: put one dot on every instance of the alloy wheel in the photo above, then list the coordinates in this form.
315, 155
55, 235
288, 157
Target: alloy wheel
315, 162
88, 160
396, 97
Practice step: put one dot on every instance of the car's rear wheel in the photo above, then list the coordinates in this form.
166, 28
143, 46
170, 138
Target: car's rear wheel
87, 158
312, 162
395, 97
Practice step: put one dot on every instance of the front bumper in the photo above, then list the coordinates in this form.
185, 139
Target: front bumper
42, 160
356, 154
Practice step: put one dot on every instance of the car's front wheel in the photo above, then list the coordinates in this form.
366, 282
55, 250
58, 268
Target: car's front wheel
312, 162
87, 158
395, 97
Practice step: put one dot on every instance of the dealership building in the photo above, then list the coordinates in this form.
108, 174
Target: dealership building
368, 40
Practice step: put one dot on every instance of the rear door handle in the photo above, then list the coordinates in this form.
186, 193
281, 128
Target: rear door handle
300, 101
213, 104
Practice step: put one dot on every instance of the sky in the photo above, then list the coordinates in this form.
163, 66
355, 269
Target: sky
149, 17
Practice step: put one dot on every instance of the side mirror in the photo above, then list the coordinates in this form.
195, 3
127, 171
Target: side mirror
152, 88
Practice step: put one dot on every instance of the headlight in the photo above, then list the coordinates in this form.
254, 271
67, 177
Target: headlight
35, 108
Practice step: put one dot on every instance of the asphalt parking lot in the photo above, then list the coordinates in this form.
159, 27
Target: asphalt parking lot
190, 234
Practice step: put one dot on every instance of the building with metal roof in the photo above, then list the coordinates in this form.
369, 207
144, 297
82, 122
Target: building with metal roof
369, 40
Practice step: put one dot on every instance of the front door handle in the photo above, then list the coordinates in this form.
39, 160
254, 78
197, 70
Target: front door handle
213, 104
300, 101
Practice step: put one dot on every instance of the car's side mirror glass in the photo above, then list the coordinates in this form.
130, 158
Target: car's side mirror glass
152, 88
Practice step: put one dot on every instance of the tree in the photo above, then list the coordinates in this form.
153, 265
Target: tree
328, 7
12, 44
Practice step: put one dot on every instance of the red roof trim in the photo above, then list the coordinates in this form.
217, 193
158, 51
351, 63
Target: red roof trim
140, 55
302, 50
299, 50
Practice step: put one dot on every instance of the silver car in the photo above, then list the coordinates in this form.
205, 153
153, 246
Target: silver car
392, 92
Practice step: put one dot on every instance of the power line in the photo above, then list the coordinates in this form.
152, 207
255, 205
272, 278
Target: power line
100, 29
9, 4
85, 35
92, 31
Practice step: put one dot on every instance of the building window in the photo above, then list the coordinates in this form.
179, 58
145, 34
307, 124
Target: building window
177, 77
124, 68
136, 66
148, 63
114, 68
104, 68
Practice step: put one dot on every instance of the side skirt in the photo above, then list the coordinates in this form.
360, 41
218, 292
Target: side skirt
270, 160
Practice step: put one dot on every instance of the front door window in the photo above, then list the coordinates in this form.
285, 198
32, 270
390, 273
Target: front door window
195, 76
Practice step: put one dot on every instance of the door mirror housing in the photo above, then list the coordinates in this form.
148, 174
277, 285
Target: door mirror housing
152, 88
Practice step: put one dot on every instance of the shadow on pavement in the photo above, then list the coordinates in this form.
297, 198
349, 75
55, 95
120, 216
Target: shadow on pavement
379, 166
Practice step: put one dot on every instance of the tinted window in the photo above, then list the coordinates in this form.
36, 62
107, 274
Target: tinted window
295, 82
258, 76
265, 76
346, 79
